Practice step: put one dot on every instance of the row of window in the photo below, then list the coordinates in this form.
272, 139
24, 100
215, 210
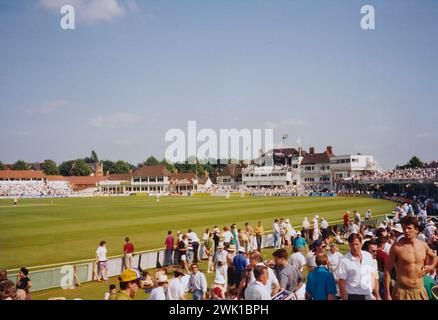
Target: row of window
312, 168
321, 179
338, 161
148, 179
265, 175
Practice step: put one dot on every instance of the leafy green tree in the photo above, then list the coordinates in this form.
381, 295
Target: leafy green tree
65, 168
50, 168
169, 166
109, 166
80, 168
2, 166
122, 167
94, 156
20, 165
151, 161
413, 163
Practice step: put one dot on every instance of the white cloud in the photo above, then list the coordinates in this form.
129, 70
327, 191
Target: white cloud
423, 135
117, 120
52, 106
92, 11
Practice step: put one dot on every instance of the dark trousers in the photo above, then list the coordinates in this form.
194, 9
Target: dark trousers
356, 297
195, 246
168, 257
324, 233
238, 276
259, 242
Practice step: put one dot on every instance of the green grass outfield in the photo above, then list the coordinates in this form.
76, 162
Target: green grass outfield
44, 231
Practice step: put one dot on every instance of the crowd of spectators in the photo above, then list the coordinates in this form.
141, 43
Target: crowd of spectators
402, 174
34, 188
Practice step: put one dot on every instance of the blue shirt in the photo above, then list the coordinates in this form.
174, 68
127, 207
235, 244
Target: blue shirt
240, 262
321, 283
299, 242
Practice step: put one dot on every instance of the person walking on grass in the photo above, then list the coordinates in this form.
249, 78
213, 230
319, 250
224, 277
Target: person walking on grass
259, 230
101, 261
170, 244
209, 251
198, 283
128, 252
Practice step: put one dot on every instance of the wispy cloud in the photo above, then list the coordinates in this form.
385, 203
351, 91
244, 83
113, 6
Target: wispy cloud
117, 120
423, 135
93, 11
52, 106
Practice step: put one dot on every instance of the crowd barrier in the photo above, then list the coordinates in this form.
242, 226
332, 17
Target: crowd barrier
50, 276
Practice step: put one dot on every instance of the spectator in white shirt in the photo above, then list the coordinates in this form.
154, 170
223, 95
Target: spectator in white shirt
175, 289
334, 259
101, 261
198, 283
276, 233
356, 272
158, 293
298, 260
257, 290
227, 235
272, 285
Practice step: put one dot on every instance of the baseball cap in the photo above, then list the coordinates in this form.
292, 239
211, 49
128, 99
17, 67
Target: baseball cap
162, 278
129, 275
242, 249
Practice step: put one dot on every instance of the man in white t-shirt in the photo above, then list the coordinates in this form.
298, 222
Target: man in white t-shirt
257, 290
354, 228
227, 235
334, 259
272, 285
176, 289
101, 260
298, 260
356, 272
276, 233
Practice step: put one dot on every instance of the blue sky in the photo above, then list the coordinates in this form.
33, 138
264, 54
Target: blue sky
131, 70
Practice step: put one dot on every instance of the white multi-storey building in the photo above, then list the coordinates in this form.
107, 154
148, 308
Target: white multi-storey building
272, 176
350, 166
315, 168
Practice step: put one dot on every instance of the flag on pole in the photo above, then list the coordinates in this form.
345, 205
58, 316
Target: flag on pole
285, 136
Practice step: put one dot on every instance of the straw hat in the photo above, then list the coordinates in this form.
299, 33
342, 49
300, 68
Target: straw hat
397, 228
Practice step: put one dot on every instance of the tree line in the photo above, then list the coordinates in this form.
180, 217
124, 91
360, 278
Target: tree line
80, 167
